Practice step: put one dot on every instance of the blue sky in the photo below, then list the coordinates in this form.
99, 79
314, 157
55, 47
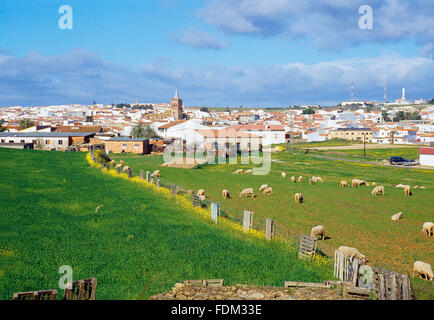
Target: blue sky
216, 52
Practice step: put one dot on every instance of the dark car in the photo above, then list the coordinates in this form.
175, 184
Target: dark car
401, 160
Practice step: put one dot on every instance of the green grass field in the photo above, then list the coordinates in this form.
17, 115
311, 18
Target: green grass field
372, 155
352, 217
48, 219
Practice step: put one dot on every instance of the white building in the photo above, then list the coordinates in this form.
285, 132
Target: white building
426, 156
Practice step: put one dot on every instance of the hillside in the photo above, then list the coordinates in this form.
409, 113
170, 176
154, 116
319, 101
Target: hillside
49, 218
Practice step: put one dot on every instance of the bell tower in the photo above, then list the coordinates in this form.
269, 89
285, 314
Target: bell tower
176, 107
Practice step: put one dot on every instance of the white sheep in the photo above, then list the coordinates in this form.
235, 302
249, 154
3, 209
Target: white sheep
300, 179
263, 187
126, 168
423, 269
238, 171
249, 171
317, 179
202, 198
283, 175
201, 192
247, 193
225, 194
377, 190
118, 166
318, 231
268, 191
351, 253
344, 184
293, 179
298, 197
396, 216
428, 229
156, 173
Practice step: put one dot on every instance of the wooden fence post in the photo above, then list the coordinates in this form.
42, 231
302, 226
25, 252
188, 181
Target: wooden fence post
269, 228
148, 174
248, 220
215, 211
142, 174
130, 173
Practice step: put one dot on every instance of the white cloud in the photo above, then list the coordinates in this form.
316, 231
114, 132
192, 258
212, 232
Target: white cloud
80, 77
200, 39
331, 24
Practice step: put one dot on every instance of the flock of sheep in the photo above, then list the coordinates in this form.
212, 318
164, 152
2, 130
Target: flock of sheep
420, 268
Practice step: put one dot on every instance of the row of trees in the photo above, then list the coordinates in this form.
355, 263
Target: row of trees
401, 115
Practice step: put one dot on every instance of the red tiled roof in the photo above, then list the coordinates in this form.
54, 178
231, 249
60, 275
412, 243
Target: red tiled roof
426, 151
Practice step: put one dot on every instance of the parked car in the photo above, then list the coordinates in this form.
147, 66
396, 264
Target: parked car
402, 161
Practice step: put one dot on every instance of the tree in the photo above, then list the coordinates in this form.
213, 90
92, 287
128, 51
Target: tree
2, 129
142, 131
26, 123
385, 116
204, 109
308, 111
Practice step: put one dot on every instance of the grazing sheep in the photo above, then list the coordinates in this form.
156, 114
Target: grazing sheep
344, 184
351, 253
126, 168
428, 229
165, 165
374, 184
156, 173
357, 182
422, 187
239, 171
318, 231
112, 163
407, 191
377, 190
122, 162
118, 166
268, 191
423, 269
201, 192
396, 216
402, 186
300, 179
225, 194
247, 193
317, 179
249, 171
416, 187
293, 179
298, 197
283, 175
263, 187
191, 192
310, 181
202, 198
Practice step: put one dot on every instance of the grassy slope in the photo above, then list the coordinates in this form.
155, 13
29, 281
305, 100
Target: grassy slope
352, 217
48, 219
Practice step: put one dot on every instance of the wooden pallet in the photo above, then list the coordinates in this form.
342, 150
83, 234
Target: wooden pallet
307, 246
350, 292
81, 290
389, 285
36, 295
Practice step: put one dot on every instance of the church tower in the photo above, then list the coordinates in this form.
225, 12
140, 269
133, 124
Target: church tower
176, 107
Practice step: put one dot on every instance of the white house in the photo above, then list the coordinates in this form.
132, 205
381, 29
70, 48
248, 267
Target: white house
270, 134
184, 129
426, 156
